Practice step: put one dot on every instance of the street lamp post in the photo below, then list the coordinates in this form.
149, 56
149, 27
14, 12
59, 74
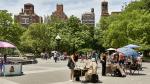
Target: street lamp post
58, 38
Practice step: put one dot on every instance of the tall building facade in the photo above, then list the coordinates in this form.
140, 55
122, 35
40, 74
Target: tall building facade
104, 8
27, 16
59, 13
88, 18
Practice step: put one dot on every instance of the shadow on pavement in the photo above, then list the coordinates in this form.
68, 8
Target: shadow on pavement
92, 82
144, 67
138, 74
12, 75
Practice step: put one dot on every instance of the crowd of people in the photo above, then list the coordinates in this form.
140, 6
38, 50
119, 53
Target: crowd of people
89, 70
115, 64
54, 55
118, 64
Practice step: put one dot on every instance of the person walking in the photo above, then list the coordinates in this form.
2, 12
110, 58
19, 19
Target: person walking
55, 56
71, 64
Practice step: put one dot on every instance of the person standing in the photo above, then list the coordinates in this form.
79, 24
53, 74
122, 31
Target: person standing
42, 55
103, 61
94, 55
55, 56
1, 64
46, 55
5, 58
71, 64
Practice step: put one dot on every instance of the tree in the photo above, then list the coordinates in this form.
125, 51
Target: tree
9, 31
78, 35
131, 26
39, 37
74, 36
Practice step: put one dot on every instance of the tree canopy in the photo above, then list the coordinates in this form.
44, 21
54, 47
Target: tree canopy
74, 36
9, 31
132, 26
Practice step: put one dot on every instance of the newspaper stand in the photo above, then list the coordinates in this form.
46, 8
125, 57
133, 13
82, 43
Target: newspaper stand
12, 69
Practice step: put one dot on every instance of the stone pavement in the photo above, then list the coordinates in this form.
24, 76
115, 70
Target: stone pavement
4, 81
48, 72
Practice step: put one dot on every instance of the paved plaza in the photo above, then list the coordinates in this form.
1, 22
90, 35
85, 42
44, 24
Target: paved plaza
49, 72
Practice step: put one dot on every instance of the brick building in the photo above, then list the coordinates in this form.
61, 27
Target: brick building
88, 18
59, 13
27, 16
104, 8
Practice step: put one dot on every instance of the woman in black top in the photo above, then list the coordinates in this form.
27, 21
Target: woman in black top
103, 61
71, 64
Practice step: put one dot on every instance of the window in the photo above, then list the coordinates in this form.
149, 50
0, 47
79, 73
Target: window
25, 21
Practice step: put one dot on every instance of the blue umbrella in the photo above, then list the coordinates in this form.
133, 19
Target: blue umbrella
132, 46
128, 52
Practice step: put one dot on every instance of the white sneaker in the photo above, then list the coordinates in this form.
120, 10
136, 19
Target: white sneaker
71, 80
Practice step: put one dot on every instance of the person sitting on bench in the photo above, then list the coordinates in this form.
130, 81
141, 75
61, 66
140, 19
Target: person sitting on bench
116, 67
92, 69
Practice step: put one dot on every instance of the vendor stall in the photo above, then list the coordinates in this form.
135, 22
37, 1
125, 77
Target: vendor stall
7, 67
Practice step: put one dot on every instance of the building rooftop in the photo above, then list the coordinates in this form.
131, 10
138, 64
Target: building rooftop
59, 4
28, 4
88, 13
104, 1
115, 12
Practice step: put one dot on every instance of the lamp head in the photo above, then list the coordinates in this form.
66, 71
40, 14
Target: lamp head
58, 37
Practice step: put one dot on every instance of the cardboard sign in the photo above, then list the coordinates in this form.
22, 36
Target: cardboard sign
12, 69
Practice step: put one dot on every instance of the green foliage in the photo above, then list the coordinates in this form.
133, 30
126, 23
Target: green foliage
85, 50
9, 31
79, 33
38, 37
136, 5
132, 26
74, 36
146, 4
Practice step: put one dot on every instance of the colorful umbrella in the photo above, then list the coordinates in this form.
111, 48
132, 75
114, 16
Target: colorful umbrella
6, 45
128, 51
111, 49
132, 46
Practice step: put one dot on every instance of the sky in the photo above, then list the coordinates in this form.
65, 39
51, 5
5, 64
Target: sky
71, 7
